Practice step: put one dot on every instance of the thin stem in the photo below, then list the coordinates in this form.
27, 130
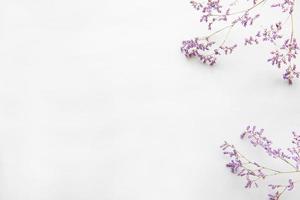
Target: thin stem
241, 11
216, 32
292, 24
270, 169
231, 25
281, 193
226, 36
283, 159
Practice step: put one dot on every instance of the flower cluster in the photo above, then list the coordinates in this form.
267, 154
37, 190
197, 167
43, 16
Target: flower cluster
254, 172
199, 48
221, 11
280, 189
285, 5
213, 11
271, 34
205, 50
285, 57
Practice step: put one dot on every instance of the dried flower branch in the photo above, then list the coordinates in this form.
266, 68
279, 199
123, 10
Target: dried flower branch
254, 172
218, 11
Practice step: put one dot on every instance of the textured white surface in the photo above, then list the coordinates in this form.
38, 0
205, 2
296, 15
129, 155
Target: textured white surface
97, 102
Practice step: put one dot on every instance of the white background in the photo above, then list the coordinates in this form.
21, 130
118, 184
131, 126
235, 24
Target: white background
97, 102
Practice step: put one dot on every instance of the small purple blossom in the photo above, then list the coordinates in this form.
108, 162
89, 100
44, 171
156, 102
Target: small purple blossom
246, 19
285, 5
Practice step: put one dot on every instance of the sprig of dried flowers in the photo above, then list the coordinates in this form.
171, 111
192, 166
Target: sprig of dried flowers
217, 11
254, 172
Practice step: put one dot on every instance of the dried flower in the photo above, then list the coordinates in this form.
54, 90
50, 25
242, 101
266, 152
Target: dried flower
253, 172
220, 11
